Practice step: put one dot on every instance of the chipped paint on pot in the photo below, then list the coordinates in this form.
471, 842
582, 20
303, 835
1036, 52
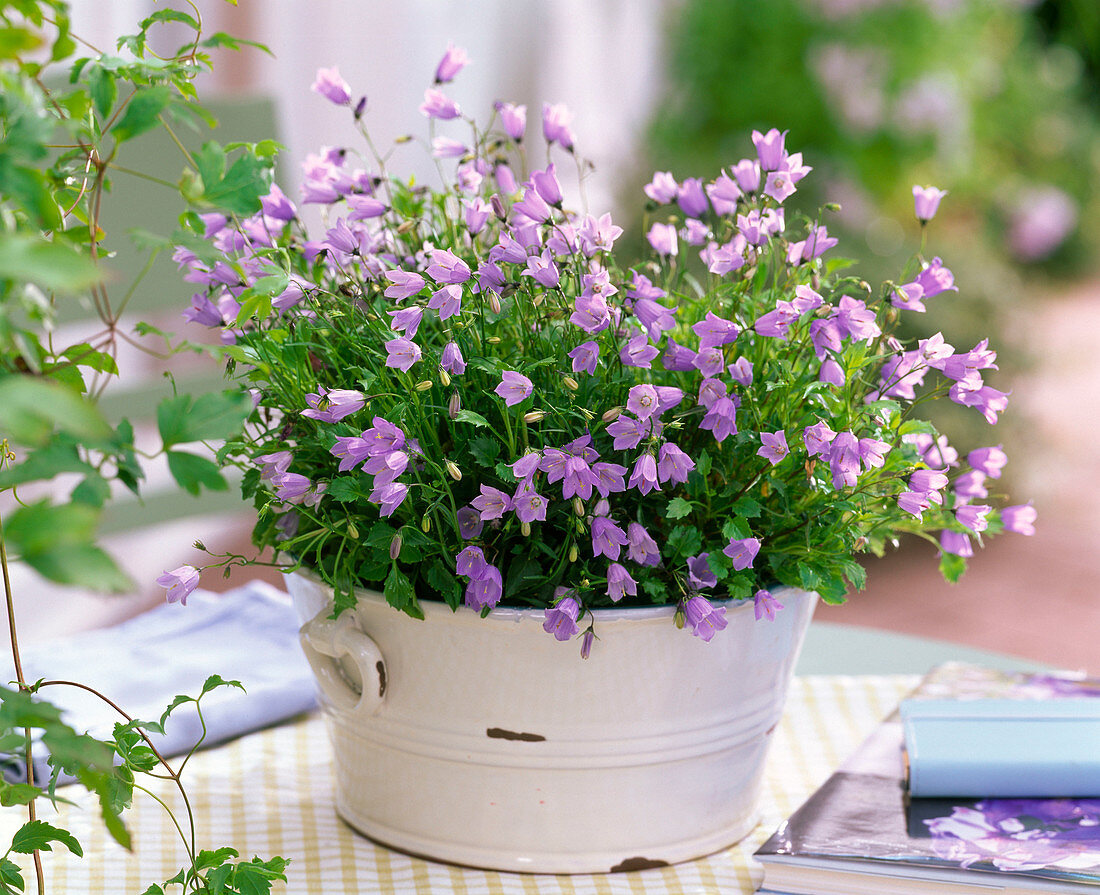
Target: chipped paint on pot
486, 742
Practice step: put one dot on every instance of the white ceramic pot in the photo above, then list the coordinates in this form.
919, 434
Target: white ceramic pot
486, 742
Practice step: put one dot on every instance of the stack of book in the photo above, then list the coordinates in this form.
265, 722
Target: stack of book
864, 831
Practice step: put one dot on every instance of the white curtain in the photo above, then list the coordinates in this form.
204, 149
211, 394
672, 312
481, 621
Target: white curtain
599, 57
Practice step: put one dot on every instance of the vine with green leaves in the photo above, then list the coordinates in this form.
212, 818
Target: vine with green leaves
69, 115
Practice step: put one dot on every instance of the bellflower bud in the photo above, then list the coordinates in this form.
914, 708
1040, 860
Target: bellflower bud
586, 643
525, 529
494, 302
423, 385
573, 554
395, 546
452, 470
578, 506
426, 524
444, 378
611, 415
534, 416
454, 404
570, 383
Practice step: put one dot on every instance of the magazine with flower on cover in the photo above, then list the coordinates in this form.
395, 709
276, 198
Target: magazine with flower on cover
861, 833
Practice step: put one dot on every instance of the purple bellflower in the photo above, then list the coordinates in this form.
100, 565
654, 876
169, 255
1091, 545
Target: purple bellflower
641, 548
331, 86
453, 61
607, 538
438, 105
700, 574
926, 201
1020, 519
989, 460
555, 125
514, 387
769, 148
662, 237
742, 551
330, 406
561, 618
765, 605
485, 590
704, 618
402, 354
514, 119
620, 583
180, 582
663, 188
774, 447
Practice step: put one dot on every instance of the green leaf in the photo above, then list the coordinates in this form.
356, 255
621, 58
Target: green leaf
484, 450
469, 416
215, 681
719, 564
255, 877
41, 526
17, 793
258, 306
735, 527
274, 283
237, 189
142, 112
16, 42
221, 39
854, 572
445, 582
739, 586
32, 410
11, 877
84, 355
912, 427
952, 567
43, 464
748, 508
684, 541
94, 491
522, 571
37, 835
30, 188
184, 419
81, 565
809, 578
344, 489
169, 15
832, 589
703, 464
103, 88
207, 858
113, 822
52, 265
678, 508
657, 590
399, 593
193, 473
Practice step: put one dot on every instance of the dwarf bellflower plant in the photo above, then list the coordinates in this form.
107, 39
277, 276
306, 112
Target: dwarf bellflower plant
464, 392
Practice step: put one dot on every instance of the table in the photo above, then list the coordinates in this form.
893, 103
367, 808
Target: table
271, 793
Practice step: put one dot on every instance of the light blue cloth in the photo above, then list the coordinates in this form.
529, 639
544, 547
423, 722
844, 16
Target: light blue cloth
249, 634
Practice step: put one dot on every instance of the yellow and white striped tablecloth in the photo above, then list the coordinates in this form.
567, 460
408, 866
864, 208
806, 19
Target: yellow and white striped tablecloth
271, 793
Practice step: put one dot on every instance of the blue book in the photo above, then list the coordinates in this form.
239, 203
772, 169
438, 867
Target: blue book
861, 832
982, 733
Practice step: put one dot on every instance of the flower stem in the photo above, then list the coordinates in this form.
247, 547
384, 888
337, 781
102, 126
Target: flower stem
31, 812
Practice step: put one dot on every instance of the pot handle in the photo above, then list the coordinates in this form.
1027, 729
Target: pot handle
325, 641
